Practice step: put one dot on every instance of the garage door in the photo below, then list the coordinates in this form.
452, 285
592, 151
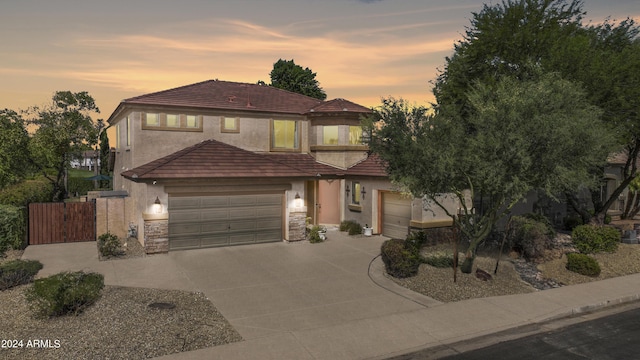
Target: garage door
208, 221
396, 215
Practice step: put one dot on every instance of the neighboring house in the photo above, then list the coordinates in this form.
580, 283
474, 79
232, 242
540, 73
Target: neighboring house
86, 160
220, 163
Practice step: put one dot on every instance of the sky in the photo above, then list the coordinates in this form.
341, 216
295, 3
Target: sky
361, 50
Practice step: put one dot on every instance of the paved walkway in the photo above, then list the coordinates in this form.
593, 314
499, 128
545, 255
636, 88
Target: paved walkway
326, 301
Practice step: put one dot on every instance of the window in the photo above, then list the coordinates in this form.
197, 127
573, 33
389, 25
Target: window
330, 135
128, 130
173, 120
355, 193
118, 141
355, 135
152, 120
192, 121
284, 135
230, 125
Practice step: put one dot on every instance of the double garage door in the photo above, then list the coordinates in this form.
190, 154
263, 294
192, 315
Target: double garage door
209, 221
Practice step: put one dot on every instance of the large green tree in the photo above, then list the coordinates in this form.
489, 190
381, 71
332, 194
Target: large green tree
604, 59
63, 130
519, 133
289, 76
13, 148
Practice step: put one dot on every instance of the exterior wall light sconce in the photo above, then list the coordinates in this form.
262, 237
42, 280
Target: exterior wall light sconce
298, 201
157, 206
363, 193
347, 190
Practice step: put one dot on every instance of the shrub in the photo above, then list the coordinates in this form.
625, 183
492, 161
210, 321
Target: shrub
350, 226
12, 227
18, 272
591, 239
398, 261
64, 293
530, 237
415, 241
440, 260
314, 234
80, 185
583, 264
551, 232
571, 221
109, 245
28, 191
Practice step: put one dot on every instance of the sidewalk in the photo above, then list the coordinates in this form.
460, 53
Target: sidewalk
328, 301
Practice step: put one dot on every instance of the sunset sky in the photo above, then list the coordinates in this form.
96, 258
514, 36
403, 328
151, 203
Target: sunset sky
361, 50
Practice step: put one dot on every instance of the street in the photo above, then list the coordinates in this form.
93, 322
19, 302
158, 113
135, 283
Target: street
611, 334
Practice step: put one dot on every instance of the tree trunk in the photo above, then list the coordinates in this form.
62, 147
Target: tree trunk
467, 264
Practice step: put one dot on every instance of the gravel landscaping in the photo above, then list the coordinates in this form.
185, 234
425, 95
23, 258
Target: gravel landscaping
120, 325
516, 276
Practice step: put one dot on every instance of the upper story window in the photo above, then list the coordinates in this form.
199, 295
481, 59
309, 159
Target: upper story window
230, 124
118, 141
330, 135
284, 135
127, 125
355, 135
172, 122
151, 119
192, 121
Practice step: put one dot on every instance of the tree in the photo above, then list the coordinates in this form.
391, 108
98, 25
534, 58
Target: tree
105, 155
287, 75
604, 59
63, 131
516, 136
14, 142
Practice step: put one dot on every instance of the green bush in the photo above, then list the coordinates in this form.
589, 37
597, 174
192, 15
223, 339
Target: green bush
571, 221
79, 185
415, 241
314, 234
12, 228
350, 226
440, 260
530, 237
109, 245
64, 293
551, 232
25, 192
399, 262
583, 264
18, 272
591, 239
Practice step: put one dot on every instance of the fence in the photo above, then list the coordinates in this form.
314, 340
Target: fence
51, 223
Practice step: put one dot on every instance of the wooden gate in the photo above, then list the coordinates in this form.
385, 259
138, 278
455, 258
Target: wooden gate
51, 223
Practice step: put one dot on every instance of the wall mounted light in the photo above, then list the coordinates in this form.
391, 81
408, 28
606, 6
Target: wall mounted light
157, 206
347, 190
363, 192
298, 201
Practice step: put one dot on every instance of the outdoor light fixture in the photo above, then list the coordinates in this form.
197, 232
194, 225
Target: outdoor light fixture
347, 190
298, 201
362, 192
157, 205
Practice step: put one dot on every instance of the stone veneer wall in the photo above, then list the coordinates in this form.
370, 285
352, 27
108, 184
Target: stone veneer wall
156, 236
297, 226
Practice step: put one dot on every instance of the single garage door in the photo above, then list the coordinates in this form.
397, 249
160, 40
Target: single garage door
396, 215
208, 221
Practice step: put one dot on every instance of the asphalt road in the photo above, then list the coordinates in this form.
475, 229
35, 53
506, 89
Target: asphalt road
612, 333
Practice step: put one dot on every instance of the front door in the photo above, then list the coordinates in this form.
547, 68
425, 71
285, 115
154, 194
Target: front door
328, 202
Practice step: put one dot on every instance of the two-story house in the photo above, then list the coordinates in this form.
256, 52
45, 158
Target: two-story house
220, 163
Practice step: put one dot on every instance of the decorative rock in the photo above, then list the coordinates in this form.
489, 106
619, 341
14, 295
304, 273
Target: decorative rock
483, 275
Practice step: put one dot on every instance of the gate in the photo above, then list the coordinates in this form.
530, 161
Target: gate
51, 223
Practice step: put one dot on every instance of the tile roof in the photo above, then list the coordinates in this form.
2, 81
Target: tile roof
217, 94
214, 159
339, 105
371, 166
